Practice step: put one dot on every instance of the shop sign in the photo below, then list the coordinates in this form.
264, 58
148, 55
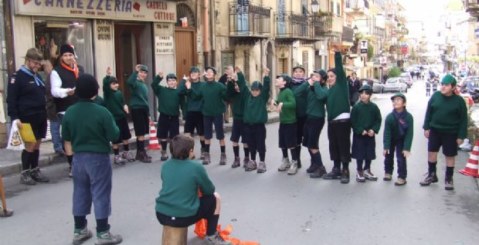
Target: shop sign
103, 28
164, 45
154, 11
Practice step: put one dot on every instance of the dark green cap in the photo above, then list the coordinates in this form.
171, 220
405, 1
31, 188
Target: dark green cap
256, 85
171, 76
194, 69
366, 88
143, 68
399, 95
449, 79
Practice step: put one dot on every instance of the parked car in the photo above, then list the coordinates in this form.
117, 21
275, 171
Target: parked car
407, 78
374, 83
395, 84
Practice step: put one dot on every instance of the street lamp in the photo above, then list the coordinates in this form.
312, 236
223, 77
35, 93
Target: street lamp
315, 6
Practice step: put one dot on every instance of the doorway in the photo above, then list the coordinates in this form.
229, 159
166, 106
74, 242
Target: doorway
185, 51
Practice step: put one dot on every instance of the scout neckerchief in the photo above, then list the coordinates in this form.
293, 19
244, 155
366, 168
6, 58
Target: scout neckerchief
74, 69
401, 119
38, 79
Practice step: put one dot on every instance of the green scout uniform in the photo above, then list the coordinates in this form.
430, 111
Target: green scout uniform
288, 111
213, 95
365, 116
114, 100
169, 99
316, 96
192, 103
255, 107
238, 101
338, 95
391, 131
139, 92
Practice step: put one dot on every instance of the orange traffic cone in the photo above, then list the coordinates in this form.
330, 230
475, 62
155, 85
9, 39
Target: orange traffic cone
153, 143
471, 168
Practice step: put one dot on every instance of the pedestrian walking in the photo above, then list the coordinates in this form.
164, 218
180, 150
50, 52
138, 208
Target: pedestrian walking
298, 78
4, 211
62, 79
213, 95
27, 104
339, 123
178, 203
52, 110
169, 102
88, 129
115, 103
428, 88
255, 117
445, 125
365, 122
398, 136
140, 109
229, 70
354, 86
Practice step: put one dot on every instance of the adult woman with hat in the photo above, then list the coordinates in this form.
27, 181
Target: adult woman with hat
26, 104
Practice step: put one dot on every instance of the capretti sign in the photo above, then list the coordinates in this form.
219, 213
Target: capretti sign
155, 11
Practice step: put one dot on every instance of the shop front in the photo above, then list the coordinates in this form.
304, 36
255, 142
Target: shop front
104, 33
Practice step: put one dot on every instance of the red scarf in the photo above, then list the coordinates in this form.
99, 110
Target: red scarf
74, 69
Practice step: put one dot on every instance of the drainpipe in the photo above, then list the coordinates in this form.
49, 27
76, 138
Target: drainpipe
206, 32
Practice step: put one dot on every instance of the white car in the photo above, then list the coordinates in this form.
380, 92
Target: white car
395, 84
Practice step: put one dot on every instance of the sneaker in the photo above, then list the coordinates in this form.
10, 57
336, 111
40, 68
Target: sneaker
430, 178
143, 157
106, 238
312, 168
449, 185
250, 166
206, 158
38, 176
284, 165
202, 155
245, 161
334, 174
387, 177
345, 176
261, 167
400, 182
216, 240
127, 155
223, 159
369, 175
81, 235
293, 169
5, 212
164, 156
319, 173
360, 177
26, 178
236, 163
118, 160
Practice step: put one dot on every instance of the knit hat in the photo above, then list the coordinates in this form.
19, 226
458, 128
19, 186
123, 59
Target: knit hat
256, 85
86, 86
449, 79
194, 69
171, 76
299, 67
34, 54
400, 95
211, 68
143, 68
67, 48
366, 88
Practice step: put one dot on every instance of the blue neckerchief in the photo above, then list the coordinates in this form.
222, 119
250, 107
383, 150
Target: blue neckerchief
38, 79
402, 123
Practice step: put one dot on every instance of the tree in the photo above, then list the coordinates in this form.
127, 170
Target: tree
394, 72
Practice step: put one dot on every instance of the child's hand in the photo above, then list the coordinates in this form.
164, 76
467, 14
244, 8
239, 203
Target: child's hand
265, 71
125, 108
406, 154
364, 132
426, 134
279, 107
185, 77
311, 82
386, 152
234, 76
237, 89
188, 84
108, 71
137, 67
237, 69
371, 133
161, 74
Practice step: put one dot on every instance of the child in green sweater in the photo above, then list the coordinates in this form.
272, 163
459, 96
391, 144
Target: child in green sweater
115, 103
398, 134
365, 122
178, 204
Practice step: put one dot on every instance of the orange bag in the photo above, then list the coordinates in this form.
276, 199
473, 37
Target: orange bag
200, 231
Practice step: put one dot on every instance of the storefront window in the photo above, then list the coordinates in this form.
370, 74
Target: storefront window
50, 35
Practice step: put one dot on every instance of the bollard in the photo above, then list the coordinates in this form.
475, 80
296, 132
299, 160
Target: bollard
174, 235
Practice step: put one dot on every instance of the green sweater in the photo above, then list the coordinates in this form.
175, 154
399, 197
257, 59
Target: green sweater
89, 127
255, 107
288, 111
114, 100
365, 116
181, 180
338, 95
169, 99
316, 96
301, 101
391, 131
138, 91
238, 101
213, 94
446, 114
192, 103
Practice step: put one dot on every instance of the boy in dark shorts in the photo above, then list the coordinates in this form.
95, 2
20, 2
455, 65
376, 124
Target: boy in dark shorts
445, 124
255, 117
213, 95
398, 134
285, 105
365, 122
140, 109
169, 107
178, 204
236, 86
115, 103
315, 92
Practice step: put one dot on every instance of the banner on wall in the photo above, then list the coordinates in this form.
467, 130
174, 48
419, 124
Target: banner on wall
152, 11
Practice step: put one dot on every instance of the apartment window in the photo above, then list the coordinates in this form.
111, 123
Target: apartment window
338, 9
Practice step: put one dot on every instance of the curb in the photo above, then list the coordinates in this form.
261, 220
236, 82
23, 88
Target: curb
52, 158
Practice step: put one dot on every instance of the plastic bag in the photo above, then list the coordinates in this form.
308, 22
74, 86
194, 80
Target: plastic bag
15, 141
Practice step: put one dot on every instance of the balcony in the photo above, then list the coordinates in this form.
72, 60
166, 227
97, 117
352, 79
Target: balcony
322, 25
348, 34
251, 22
357, 7
472, 7
291, 27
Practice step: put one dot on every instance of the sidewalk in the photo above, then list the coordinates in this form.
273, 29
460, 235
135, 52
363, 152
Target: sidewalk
10, 160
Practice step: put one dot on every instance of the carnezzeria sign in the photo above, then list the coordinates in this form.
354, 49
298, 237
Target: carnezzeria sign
153, 11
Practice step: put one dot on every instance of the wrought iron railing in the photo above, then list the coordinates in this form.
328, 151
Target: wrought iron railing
249, 20
293, 26
322, 25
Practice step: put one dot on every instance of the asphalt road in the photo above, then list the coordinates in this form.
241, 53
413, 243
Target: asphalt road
271, 208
